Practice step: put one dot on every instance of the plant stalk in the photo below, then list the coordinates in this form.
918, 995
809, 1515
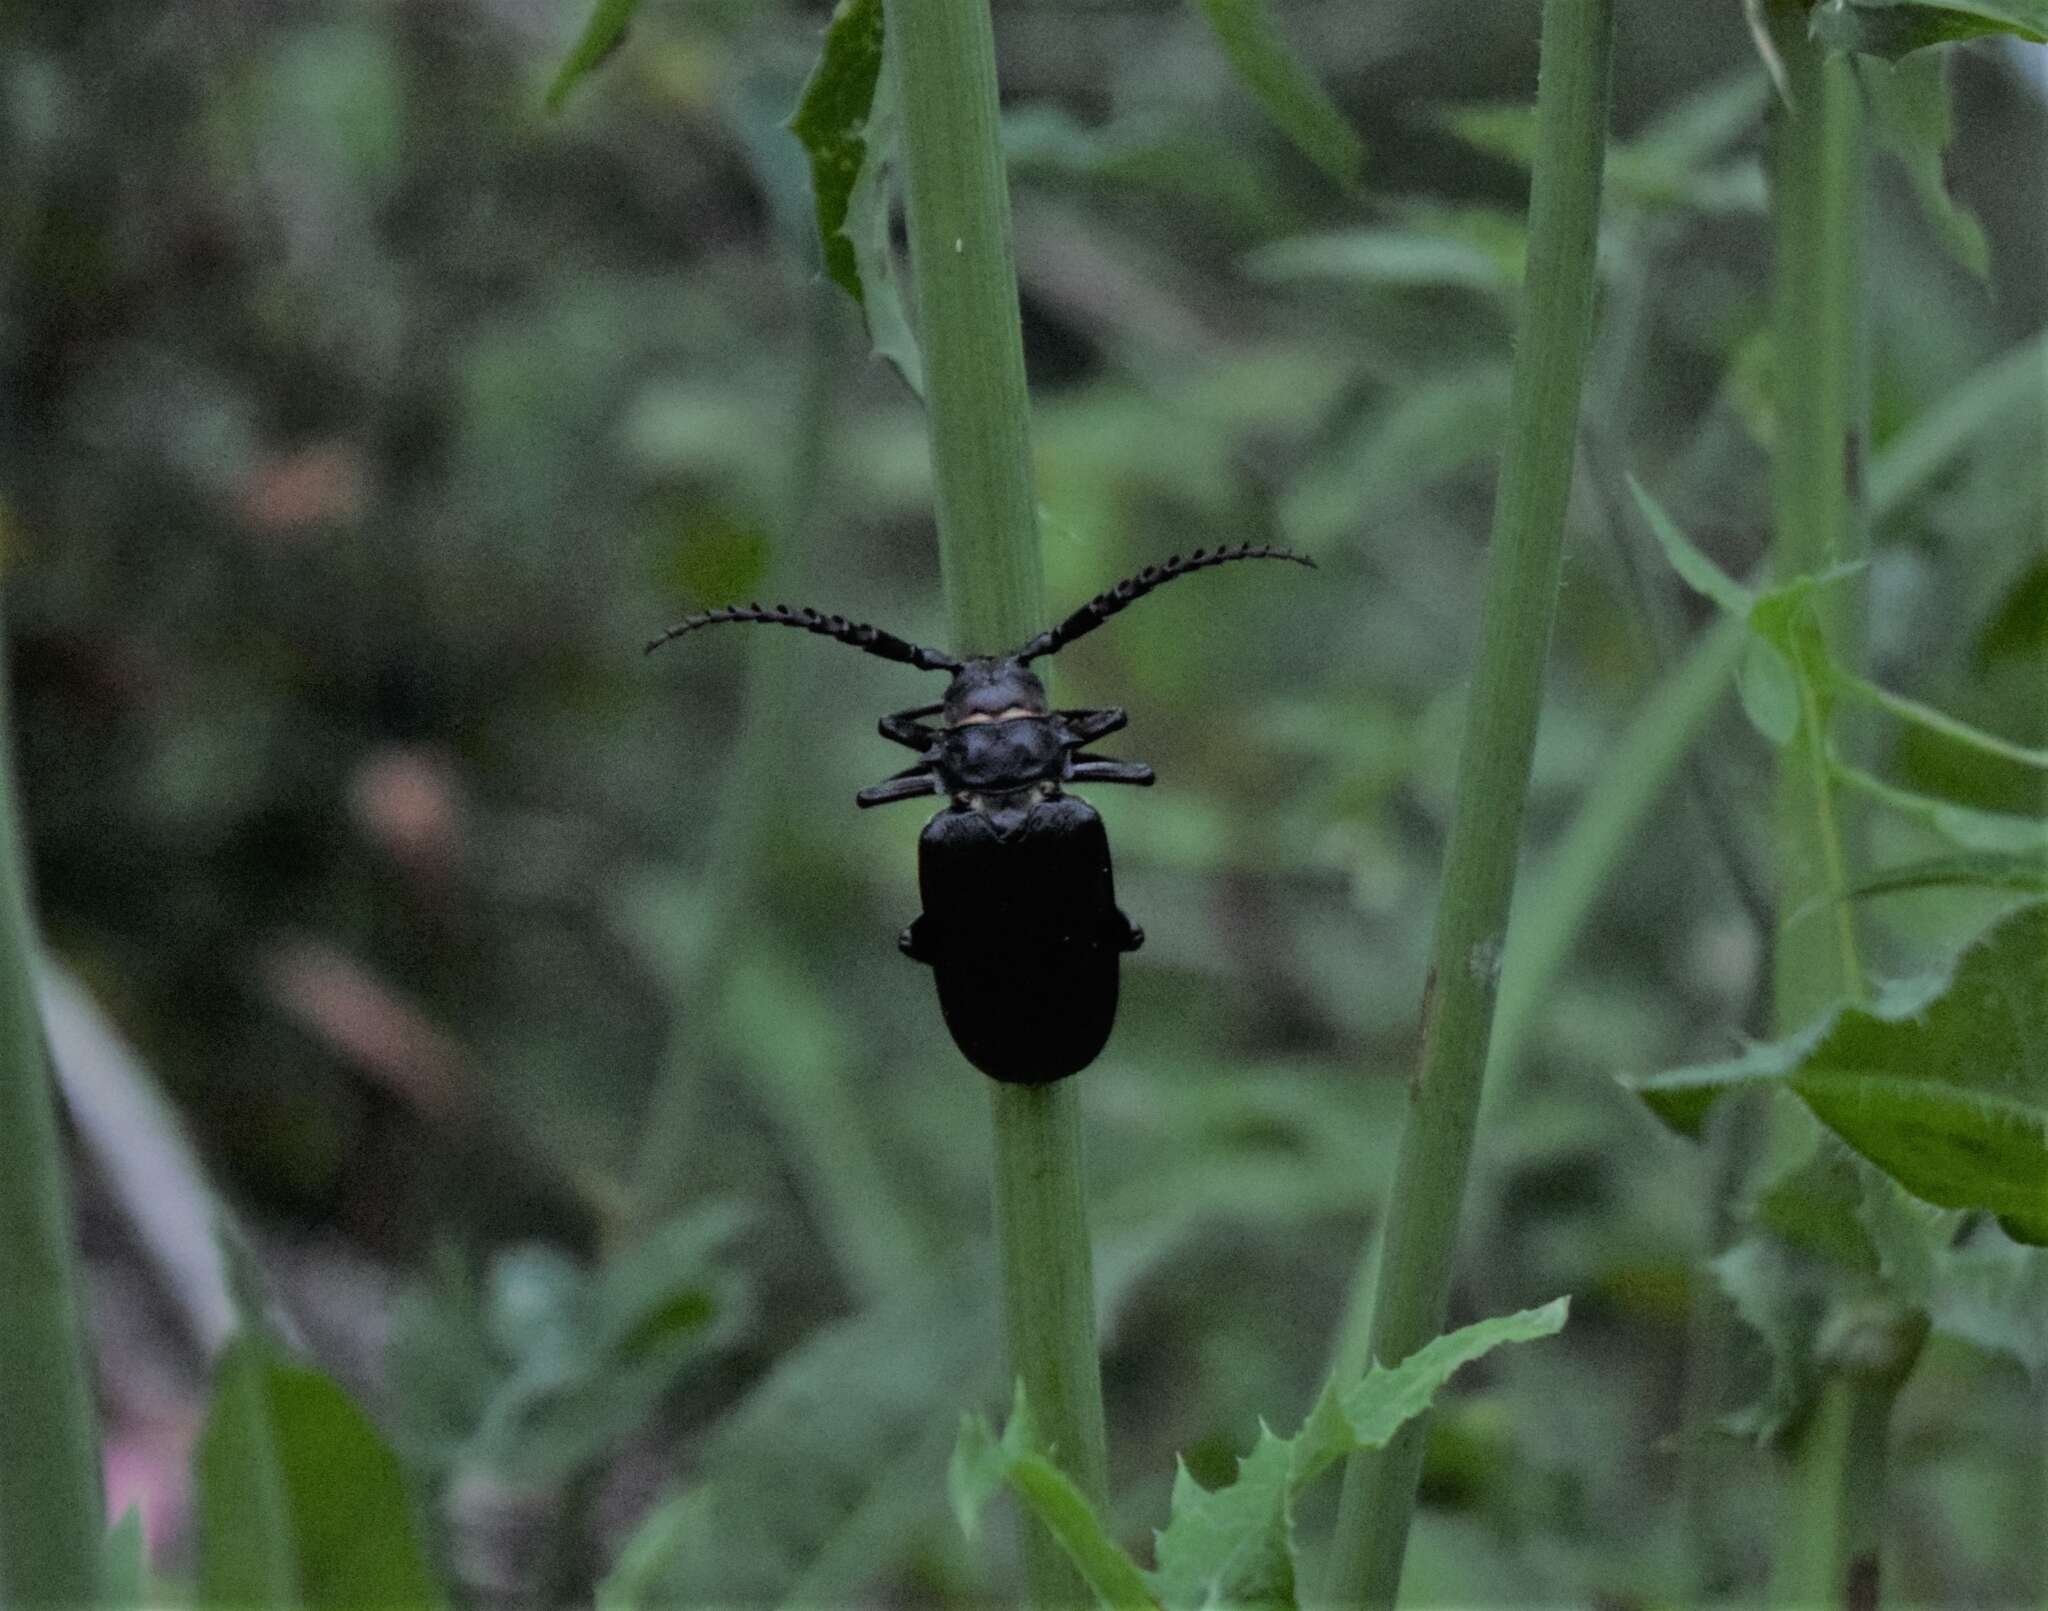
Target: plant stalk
987, 512
1817, 476
52, 1514
1832, 1533
1412, 1292
1827, 1544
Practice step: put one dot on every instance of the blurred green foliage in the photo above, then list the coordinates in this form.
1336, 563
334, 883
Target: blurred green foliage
363, 419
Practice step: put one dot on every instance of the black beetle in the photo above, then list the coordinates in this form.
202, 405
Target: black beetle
1020, 925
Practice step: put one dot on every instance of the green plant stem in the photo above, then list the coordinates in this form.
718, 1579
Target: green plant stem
1816, 791
1817, 495
1833, 1518
944, 53
2037, 1484
1048, 1284
1827, 1544
1837, 1480
1493, 773
1735, 1129
960, 249
51, 1512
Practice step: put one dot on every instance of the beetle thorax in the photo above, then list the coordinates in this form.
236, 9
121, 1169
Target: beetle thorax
999, 758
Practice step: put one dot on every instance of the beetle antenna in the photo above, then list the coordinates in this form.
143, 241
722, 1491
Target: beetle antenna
858, 634
1132, 588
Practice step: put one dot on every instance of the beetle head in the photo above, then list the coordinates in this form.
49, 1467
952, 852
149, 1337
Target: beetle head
991, 688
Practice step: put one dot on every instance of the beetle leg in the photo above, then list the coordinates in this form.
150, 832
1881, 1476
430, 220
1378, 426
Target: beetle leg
1133, 936
904, 727
908, 784
1081, 727
1100, 769
915, 941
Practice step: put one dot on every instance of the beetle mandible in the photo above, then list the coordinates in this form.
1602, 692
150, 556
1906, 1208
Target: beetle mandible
1020, 924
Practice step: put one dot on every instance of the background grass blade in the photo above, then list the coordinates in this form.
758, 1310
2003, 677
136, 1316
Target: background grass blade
50, 1507
1250, 36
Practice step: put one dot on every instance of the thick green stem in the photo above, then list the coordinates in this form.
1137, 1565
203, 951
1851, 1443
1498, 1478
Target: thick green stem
1817, 494
1493, 770
51, 1513
944, 54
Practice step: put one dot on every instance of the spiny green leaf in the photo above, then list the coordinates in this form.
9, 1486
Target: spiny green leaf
1911, 117
1270, 69
868, 225
602, 35
1389, 1397
831, 119
983, 1463
1235, 1546
1942, 1084
1892, 28
300, 1501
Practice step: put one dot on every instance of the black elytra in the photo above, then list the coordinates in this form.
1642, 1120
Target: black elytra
1020, 924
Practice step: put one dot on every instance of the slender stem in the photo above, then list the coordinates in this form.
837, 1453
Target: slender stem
2036, 1479
1827, 1544
1817, 490
1048, 1286
966, 271
1493, 771
1832, 1520
944, 53
51, 1512
1819, 793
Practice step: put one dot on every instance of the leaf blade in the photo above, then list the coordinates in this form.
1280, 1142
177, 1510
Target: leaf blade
1943, 1084
301, 1502
1299, 107
831, 120
602, 34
